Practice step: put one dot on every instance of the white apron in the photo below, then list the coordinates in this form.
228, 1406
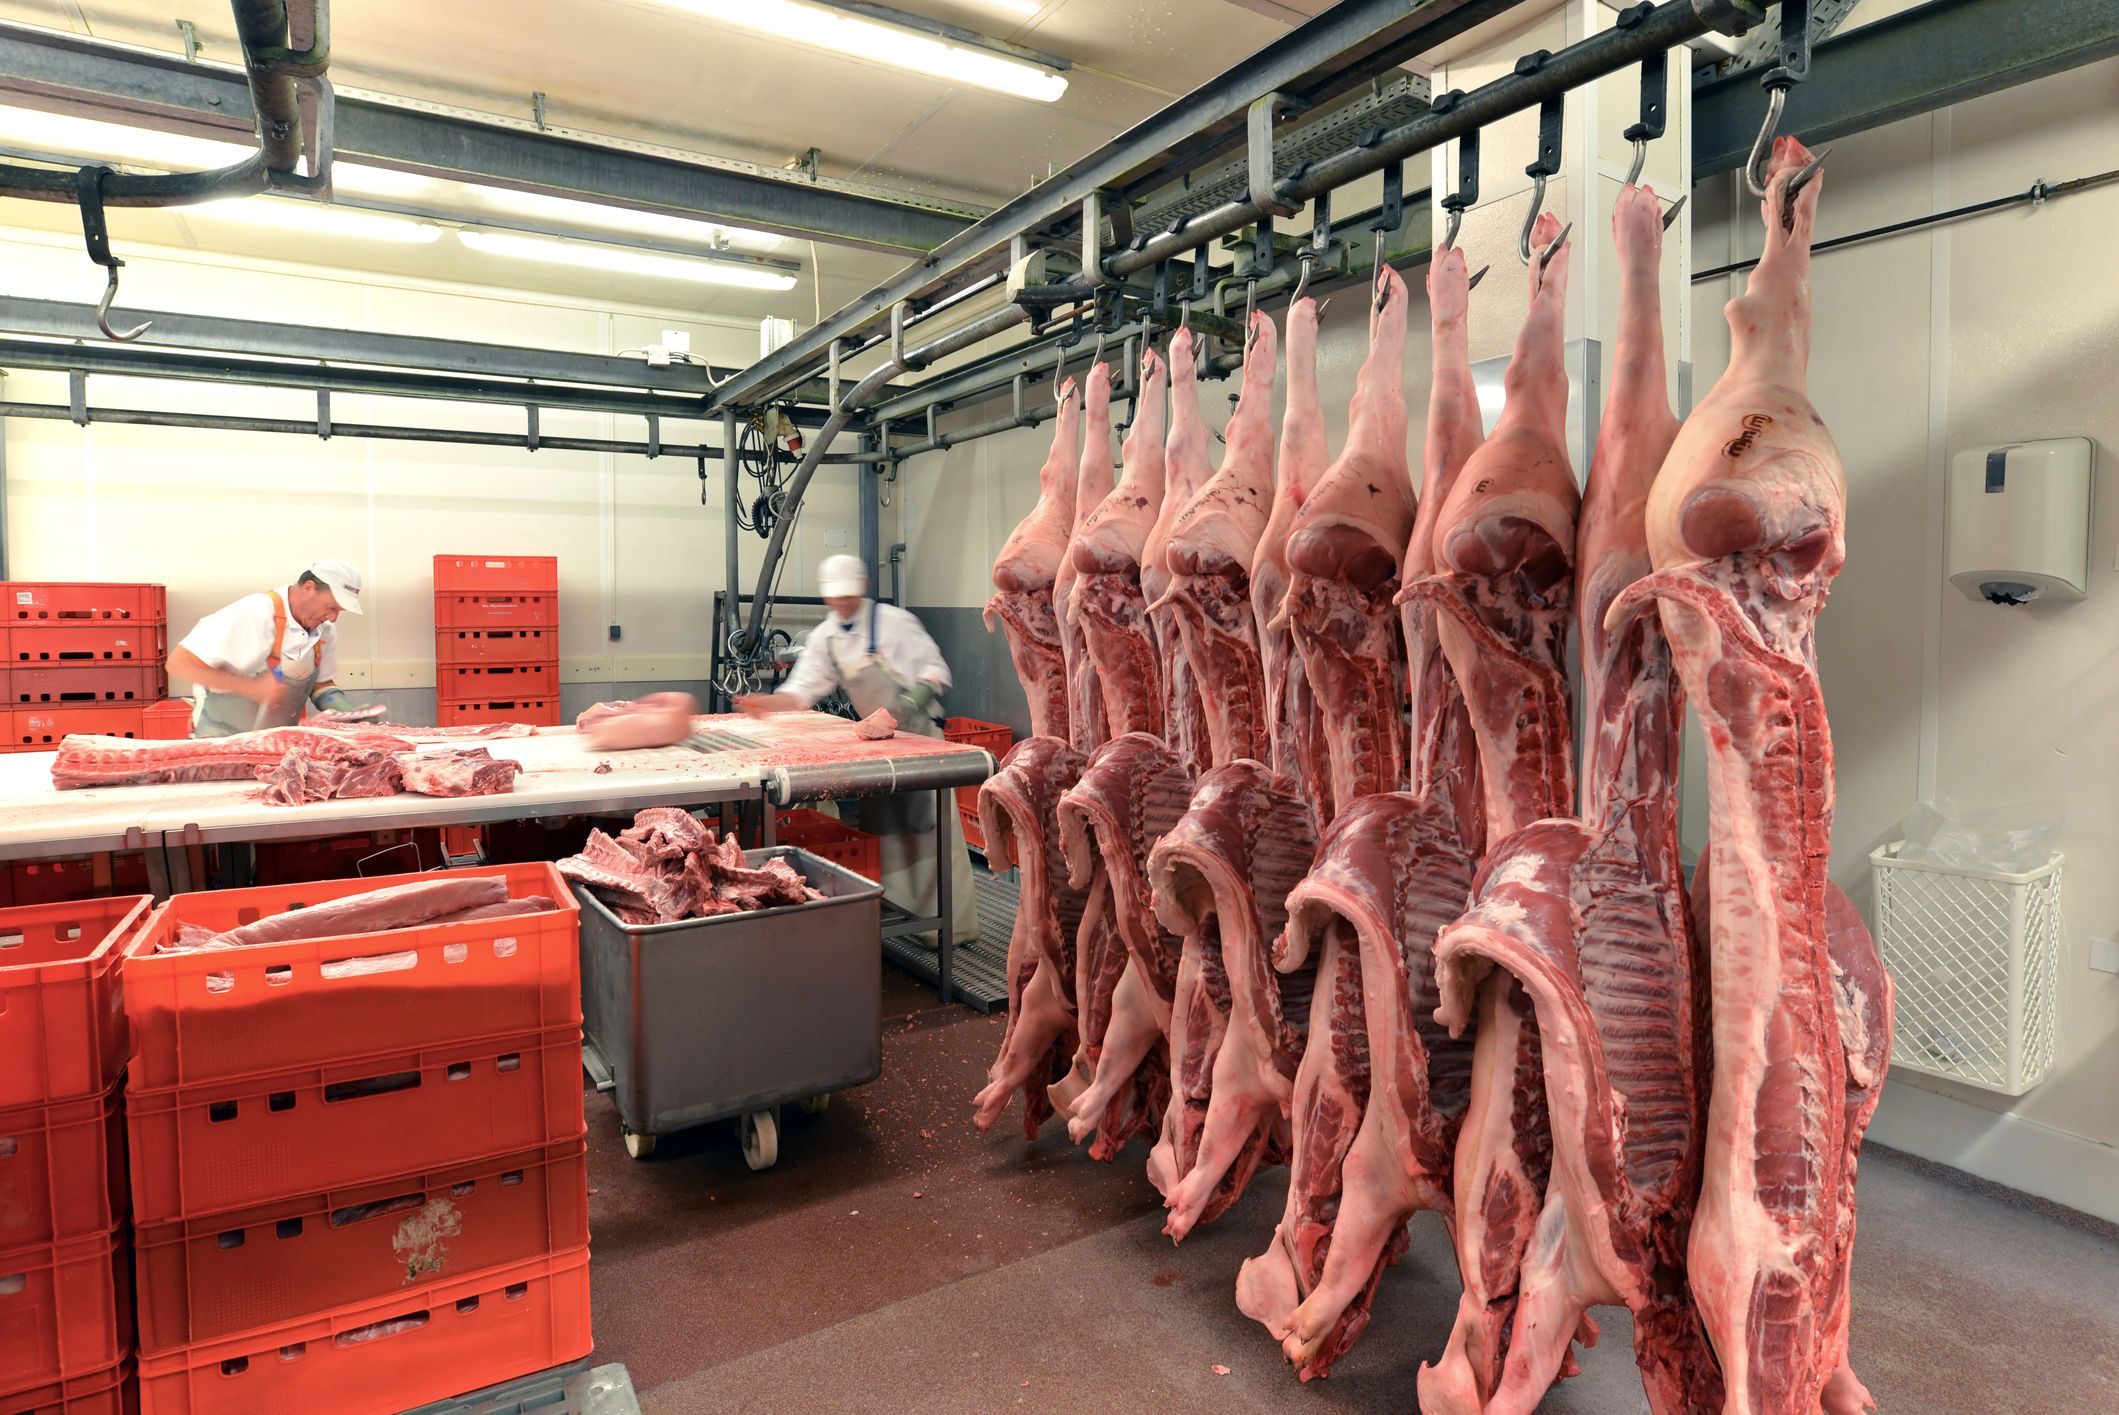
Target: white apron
225, 714
904, 823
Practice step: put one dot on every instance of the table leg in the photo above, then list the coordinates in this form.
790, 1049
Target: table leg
945, 932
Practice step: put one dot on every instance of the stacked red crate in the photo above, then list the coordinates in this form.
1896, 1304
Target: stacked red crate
496, 639
86, 658
66, 1323
339, 1140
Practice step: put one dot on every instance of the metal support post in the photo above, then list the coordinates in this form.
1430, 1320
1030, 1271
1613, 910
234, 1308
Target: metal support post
945, 929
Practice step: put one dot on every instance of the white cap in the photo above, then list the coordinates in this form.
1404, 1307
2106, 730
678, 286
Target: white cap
343, 580
842, 575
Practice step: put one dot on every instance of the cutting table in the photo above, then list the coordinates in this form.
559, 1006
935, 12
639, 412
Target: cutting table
777, 760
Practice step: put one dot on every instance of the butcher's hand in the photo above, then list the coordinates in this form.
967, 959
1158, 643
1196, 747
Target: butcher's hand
911, 705
334, 700
264, 689
759, 704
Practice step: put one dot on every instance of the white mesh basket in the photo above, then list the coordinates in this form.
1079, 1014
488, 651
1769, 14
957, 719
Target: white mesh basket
1975, 955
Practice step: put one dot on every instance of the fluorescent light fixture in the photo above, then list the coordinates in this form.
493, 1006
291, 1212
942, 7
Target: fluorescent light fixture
92, 137
881, 43
622, 261
315, 219
1018, 7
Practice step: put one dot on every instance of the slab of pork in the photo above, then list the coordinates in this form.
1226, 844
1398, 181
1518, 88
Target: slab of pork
1187, 470
1087, 728
1024, 574
1747, 527
1343, 558
1109, 559
83, 761
1221, 878
1131, 792
1018, 807
1211, 550
1293, 723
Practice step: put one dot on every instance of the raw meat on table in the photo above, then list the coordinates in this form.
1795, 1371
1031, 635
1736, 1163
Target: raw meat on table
1109, 553
669, 866
1211, 549
1343, 558
879, 726
84, 761
372, 722
1747, 528
1132, 790
1025, 573
1017, 810
297, 779
1293, 723
468, 771
657, 720
1221, 877
1087, 728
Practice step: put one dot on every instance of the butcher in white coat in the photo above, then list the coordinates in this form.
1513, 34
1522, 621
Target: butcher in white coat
883, 658
261, 661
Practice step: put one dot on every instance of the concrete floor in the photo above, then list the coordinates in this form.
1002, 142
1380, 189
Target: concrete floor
896, 1260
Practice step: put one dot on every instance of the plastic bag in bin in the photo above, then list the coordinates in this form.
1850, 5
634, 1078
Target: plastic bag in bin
2007, 839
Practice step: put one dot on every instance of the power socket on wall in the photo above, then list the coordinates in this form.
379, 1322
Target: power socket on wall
2104, 954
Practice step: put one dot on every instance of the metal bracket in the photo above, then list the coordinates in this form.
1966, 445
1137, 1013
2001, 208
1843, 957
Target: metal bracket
1263, 178
1794, 65
190, 33
654, 436
323, 413
1731, 16
1655, 92
532, 439
1202, 275
1094, 215
95, 233
1466, 196
1552, 119
537, 109
77, 396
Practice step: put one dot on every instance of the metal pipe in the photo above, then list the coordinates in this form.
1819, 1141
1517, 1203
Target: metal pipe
962, 337
1668, 25
732, 543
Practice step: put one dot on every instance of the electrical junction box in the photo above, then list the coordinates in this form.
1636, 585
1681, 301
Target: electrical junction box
2019, 520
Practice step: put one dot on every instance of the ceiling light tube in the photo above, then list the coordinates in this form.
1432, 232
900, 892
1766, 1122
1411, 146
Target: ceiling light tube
315, 219
625, 261
880, 43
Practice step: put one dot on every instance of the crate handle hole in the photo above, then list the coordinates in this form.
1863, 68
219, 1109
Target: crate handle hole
232, 1239
455, 952
279, 1101
218, 983
459, 1071
287, 1228
12, 1283
279, 975
371, 965
360, 1213
512, 1178
516, 1291
220, 1112
464, 1190
504, 947
7, 1147
235, 1366
465, 1306
511, 1062
371, 1086
295, 1352
69, 932
376, 1331
11, 940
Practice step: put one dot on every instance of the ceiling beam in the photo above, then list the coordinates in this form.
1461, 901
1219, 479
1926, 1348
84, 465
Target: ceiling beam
1914, 62
121, 83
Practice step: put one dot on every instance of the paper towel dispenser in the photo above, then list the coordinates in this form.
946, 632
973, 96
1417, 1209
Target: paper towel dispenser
2019, 520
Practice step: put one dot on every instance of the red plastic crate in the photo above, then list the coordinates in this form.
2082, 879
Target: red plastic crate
41, 729
536, 712
205, 1279
496, 609
85, 641
363, 855
495, 682
62, 1172
974, 833
76, 877
217, 1016
65, 1309
521, 574
405, 1351
166, 721
62, 1028
40, 601
496, 646
100, 1392
971, 732
462, 841
84, 685
224, 1146
832, 840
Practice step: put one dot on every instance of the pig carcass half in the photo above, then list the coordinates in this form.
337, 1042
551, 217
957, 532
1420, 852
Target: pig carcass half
1294, 725
1025, 574
1086, 726
1109, 553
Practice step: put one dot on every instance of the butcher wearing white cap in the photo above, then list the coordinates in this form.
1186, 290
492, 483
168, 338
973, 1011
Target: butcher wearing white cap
257, 662
883, 658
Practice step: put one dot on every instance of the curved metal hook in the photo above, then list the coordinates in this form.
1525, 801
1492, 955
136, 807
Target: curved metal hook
1456, 222
110, 293
1250, 308
1640, 160
1762, 148
1537, 205
1302, 281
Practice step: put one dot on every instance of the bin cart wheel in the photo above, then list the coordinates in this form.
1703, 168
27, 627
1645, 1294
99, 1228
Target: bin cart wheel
761, 1138
638, 1145
816, 1105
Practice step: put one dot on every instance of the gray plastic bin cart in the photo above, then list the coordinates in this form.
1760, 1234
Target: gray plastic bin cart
738, 1014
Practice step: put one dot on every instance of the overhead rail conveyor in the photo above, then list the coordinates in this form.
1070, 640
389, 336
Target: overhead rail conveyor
1172, 222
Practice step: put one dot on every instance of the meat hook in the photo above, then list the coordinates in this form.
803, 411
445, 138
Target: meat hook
95, 233
1755, 165
1640, 160
1302, 280
1670, 217
1795, 186
1250, 308
1473, 283
1530, 219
